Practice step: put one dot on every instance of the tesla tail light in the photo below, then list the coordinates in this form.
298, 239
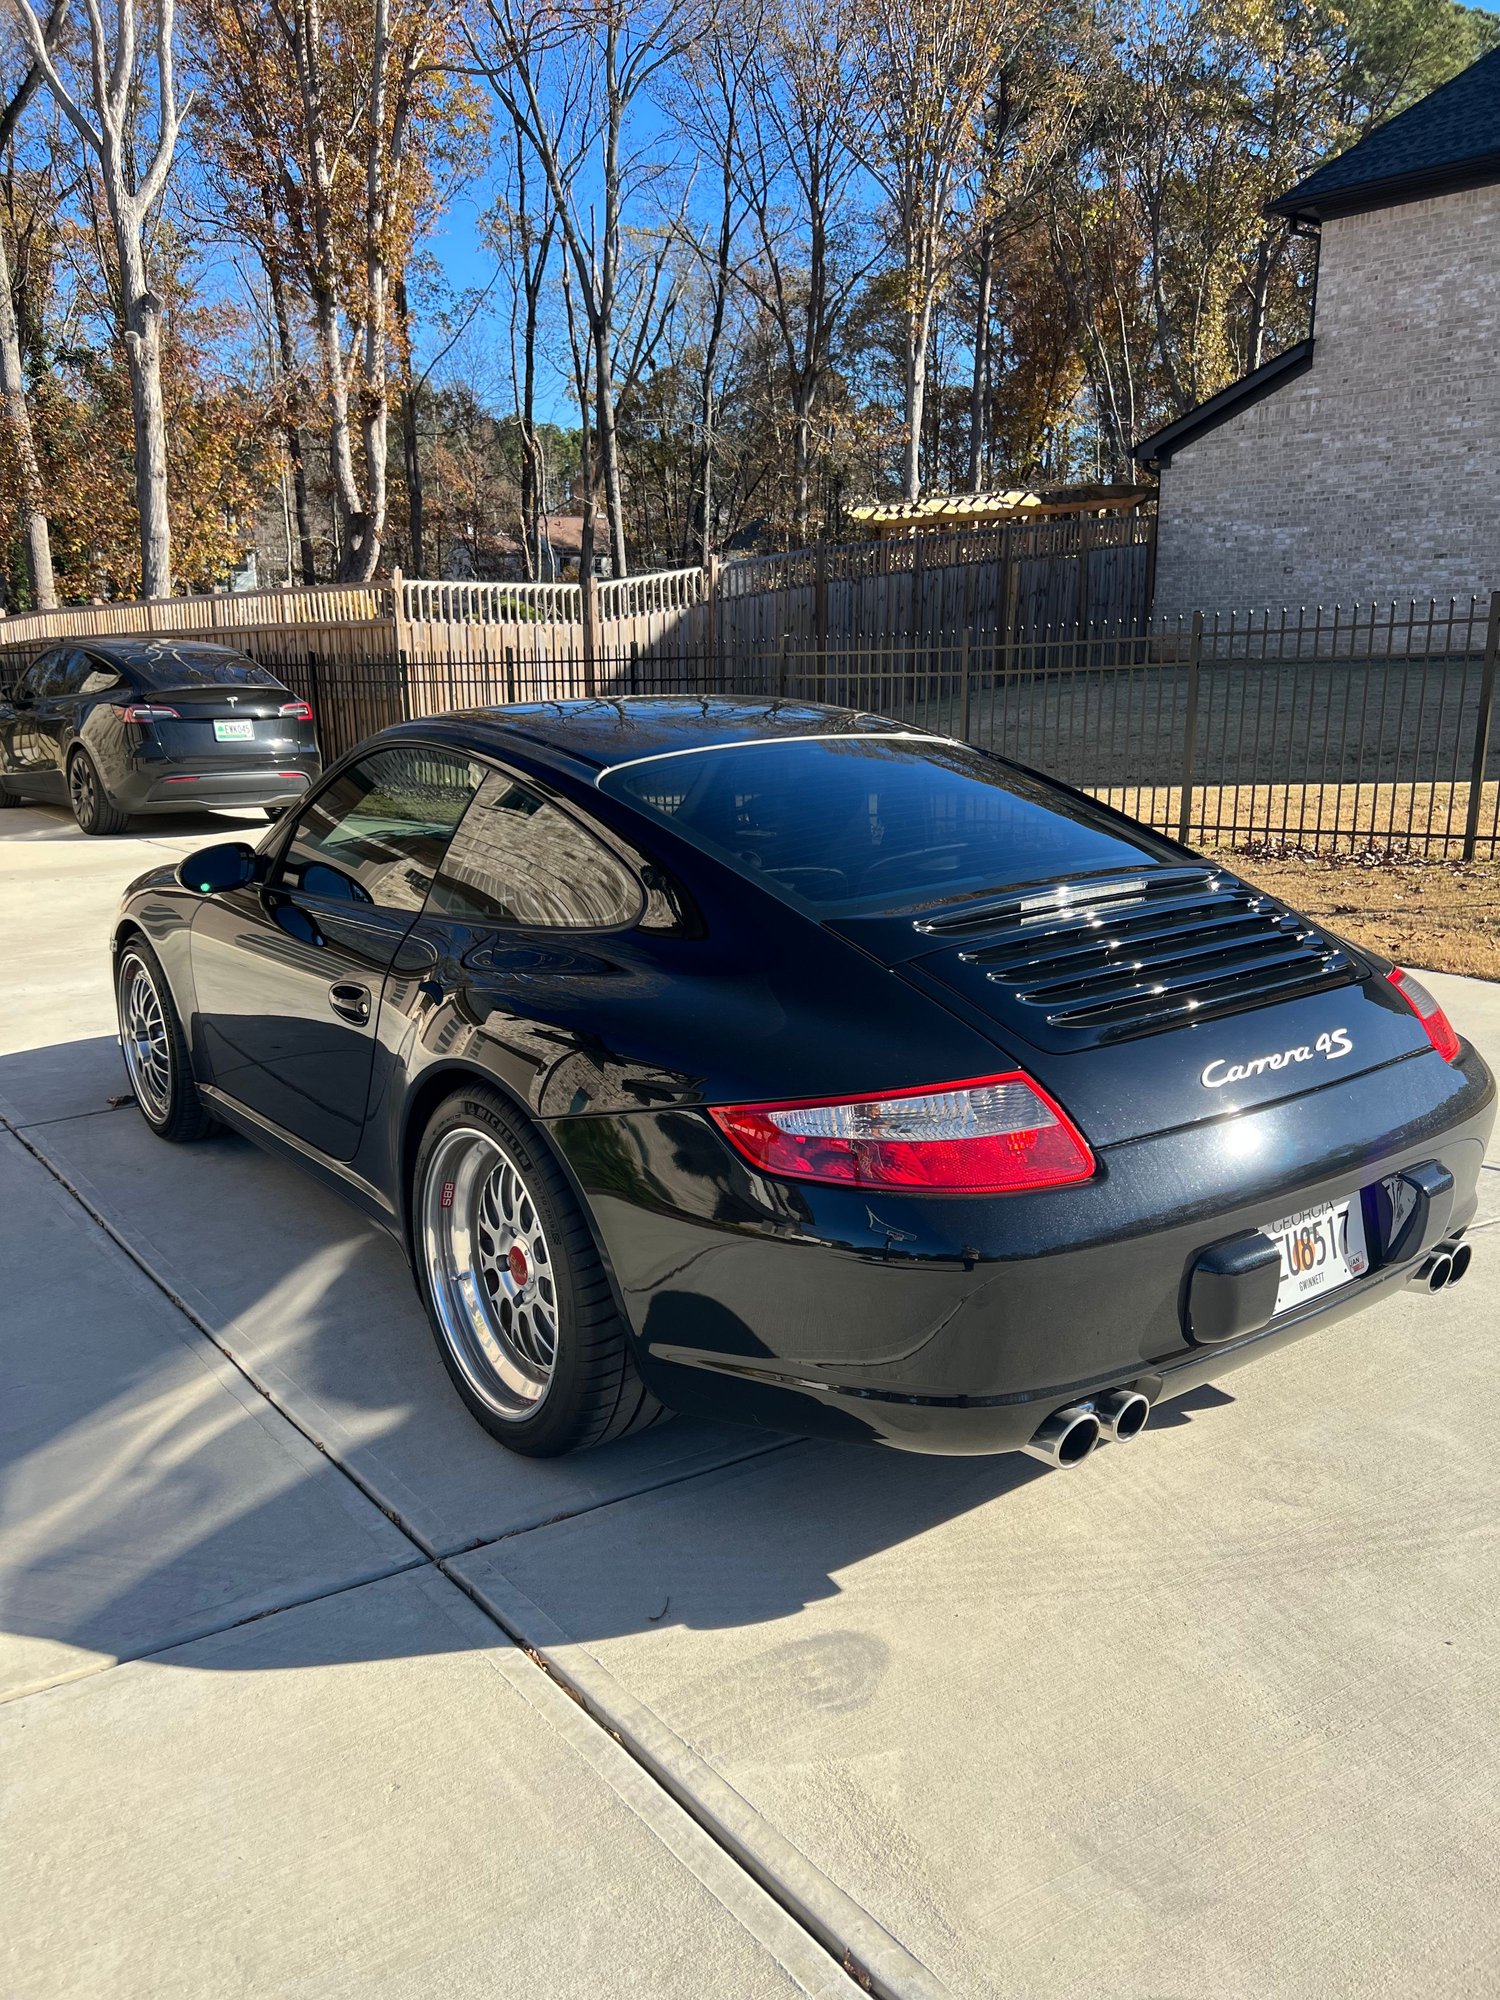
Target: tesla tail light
146, 711
992, 1135
1439, 1029
297, 711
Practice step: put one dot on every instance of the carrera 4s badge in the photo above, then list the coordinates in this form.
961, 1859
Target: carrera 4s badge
1330, 1046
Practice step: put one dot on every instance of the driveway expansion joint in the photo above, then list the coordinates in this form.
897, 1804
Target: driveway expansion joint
834, 1952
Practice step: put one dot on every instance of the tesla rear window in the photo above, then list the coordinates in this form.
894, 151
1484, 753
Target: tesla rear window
189, 666
866, 823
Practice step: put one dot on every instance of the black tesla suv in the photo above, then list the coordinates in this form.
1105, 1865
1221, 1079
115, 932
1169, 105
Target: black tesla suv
115, 727
787, 1064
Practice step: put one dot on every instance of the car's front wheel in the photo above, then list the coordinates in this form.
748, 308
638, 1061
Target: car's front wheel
155, 1048
519, 1303
93, 808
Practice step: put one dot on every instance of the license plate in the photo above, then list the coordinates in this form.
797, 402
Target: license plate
234, 732
1321, 1249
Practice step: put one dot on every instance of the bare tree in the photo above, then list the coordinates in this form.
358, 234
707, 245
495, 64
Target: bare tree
801, 135
572, 79
12, 372
107, 115
932, 68
525, 223
710, 114
316, 104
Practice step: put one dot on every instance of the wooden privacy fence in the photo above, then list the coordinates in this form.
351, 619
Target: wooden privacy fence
1018, 578
1325, 730
1013, 580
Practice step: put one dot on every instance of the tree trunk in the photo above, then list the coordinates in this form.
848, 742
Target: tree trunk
1260, 290
291, 428
411, 456
917, 330
609, 456
374, 401
18, 423
142, 311
802, 461
979, 394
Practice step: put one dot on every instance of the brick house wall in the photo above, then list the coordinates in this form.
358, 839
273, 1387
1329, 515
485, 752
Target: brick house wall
1376, 474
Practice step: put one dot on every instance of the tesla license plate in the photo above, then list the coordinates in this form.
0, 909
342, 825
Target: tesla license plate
234, 732
1321, 1249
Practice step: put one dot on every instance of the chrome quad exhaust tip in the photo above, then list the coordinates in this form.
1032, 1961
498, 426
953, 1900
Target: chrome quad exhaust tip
1122, 1414
1443, 1266
1066, 1438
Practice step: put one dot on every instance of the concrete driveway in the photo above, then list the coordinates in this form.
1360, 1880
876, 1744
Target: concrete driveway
305, 1686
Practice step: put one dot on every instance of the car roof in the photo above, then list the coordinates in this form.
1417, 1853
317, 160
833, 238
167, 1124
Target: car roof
131, 651
610, 730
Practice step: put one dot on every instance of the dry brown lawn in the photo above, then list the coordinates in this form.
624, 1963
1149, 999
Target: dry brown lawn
1315, 815
1440, 914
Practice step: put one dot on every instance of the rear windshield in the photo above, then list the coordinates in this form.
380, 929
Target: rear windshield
194, 666
865, 823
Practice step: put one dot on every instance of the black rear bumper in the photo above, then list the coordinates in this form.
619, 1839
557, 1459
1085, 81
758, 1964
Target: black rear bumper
188, 788
958, 1325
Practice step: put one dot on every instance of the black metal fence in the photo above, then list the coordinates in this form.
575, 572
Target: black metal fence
1323, 732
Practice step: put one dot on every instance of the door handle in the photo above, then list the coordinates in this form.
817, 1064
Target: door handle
353, 1002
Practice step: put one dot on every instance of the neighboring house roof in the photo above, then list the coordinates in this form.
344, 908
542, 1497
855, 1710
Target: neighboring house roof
1450, 140
563, 531
1156, 450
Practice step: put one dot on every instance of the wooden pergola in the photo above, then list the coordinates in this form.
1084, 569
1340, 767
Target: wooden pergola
946, 511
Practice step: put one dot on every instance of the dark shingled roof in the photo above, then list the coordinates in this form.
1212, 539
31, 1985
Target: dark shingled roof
1451, 139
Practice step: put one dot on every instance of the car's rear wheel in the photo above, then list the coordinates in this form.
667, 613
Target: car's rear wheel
155, 1048
7, 796
93, 808
519, 1302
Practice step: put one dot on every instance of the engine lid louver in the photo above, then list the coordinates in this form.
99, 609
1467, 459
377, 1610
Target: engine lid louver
1074, 964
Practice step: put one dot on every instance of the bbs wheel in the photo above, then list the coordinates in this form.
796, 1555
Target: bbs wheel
155, 1049
519, 1303
93, 808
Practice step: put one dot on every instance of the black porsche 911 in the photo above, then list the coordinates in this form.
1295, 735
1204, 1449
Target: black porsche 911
114, 727
790, 1065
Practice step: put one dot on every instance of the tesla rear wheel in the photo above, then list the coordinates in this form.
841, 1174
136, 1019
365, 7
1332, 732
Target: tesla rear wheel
93, 808
518, 1300
155, 1048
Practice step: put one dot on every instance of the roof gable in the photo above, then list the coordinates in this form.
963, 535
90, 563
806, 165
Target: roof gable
1451, 139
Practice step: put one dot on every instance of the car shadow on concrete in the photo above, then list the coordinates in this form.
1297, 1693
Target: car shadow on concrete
42, 820
163, 1525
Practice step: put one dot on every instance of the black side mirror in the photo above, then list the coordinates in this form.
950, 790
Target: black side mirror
20, 697
232, 865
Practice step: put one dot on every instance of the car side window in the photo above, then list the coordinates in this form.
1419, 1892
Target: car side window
377, 832
518, 859
76, 673
97, 675
41, 677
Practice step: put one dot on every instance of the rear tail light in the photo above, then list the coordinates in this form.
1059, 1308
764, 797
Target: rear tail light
993, 1135
1440, 1030
297, 711
145, 711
